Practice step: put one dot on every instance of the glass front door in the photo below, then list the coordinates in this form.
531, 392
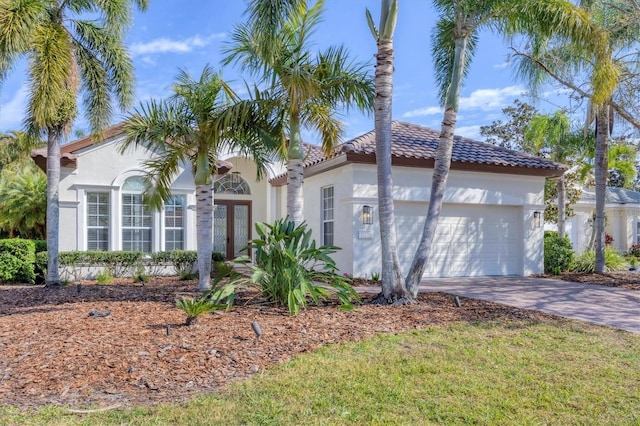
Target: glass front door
231, 227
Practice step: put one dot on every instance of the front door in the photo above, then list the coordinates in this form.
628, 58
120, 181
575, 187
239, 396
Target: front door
231, 227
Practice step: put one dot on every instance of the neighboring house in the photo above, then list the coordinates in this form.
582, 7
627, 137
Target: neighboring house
622, 211
491, 221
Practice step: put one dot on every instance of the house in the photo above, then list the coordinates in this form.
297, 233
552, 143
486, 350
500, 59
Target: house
622, 212
491, 221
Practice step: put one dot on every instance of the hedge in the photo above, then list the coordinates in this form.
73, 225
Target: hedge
17, 259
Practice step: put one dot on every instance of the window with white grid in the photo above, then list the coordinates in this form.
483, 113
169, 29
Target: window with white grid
174, 223
327, 215
98, 221
136, 217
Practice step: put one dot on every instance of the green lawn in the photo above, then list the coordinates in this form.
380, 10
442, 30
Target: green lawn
515, 373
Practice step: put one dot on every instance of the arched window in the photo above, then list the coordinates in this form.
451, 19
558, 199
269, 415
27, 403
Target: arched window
231, 183
136, 217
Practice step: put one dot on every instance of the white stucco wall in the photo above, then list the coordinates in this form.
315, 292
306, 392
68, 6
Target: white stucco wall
621, 224
361, 254
102, 168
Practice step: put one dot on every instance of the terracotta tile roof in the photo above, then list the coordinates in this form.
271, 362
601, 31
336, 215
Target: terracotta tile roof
69, 157
411, 141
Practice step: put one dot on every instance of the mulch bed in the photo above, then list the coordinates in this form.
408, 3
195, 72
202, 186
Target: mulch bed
623, 279
54, 349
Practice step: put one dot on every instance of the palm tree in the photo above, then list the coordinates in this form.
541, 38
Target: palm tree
453, 44
73, 46
548, 135
612, 68
196, 124
391, 275
274, 45
16, 146
23, 205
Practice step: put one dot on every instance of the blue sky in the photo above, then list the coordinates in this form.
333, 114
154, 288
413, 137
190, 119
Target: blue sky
188, 34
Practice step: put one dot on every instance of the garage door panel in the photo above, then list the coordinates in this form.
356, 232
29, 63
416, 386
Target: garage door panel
469, 240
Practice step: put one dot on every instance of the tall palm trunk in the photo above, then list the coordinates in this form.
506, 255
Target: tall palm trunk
601, 170
441, 166
295, 172
562, 195
392, 285
53, 205
204, 225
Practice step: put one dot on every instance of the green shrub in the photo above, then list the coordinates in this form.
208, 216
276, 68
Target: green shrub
613, 261
558, 253
183, 261
105, 277
635, 250
140, 275
288, 266
17, 260
216, 257
196, 307
121, 263
41, 245
40, 266
187, 276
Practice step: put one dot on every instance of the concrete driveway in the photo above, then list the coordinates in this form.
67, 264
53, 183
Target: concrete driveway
608, 306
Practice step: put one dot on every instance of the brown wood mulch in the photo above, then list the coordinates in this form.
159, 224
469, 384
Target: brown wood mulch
55, 348
623, 279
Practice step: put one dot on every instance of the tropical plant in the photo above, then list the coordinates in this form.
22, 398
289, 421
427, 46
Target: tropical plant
289, 267
15, 147
23, 200
453, 44
574, 152
306, 90
613, 73
586, 262
72, 46
195, 307
201, 120
548, 136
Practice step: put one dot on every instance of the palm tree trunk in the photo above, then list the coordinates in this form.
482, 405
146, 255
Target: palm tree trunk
392, 286
561, 189
204, 225
295, 173
601, 171
440, 168
53, 206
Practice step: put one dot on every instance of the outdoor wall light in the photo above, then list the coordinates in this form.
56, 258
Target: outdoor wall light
537, 219
367, 215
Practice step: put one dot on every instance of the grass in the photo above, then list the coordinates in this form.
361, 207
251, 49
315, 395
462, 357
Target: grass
521, 373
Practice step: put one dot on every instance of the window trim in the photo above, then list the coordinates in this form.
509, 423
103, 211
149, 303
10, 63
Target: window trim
324, 220
175, 228
145, 213
100, 245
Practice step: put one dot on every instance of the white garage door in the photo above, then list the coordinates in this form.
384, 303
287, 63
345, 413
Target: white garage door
469, 241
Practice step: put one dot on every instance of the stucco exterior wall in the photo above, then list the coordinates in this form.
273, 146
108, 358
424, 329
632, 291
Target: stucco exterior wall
622, 224
361, 250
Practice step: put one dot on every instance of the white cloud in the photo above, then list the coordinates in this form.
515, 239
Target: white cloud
12, 112
490, 99
166, 45
148, 60
422, 112
472, 132
503, 65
